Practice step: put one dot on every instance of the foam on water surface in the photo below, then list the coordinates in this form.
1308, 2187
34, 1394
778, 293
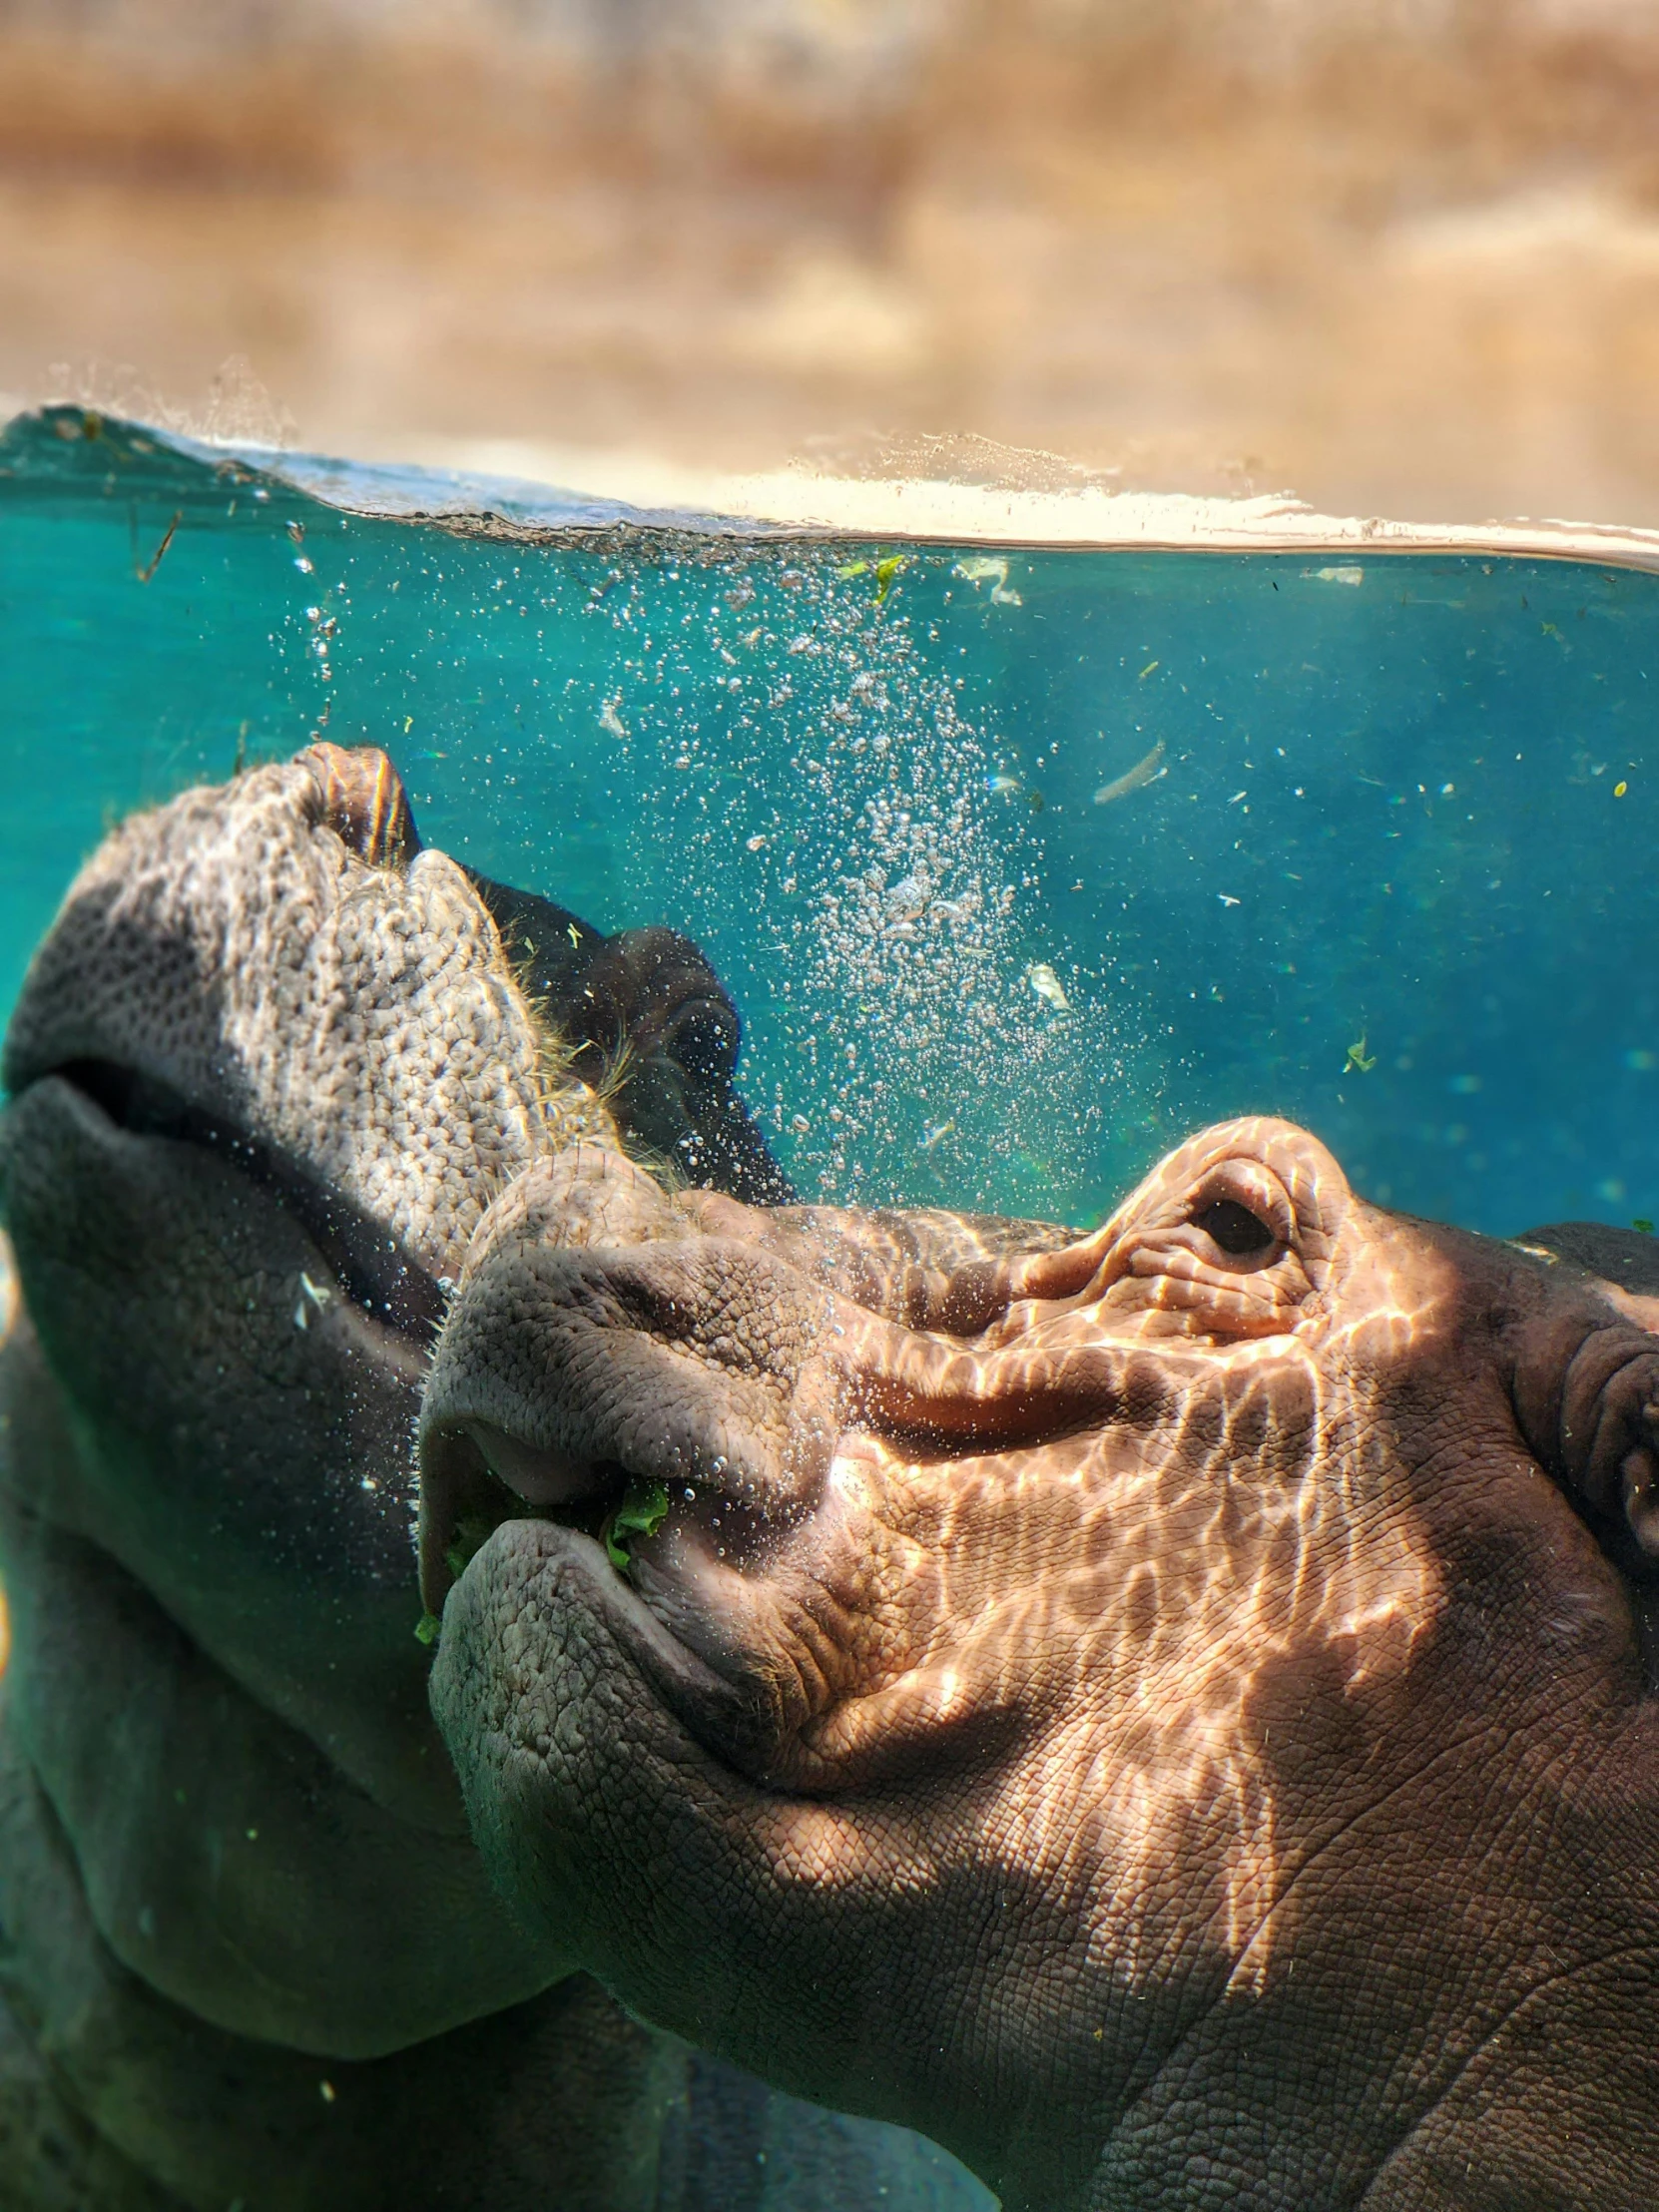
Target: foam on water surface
1370, 847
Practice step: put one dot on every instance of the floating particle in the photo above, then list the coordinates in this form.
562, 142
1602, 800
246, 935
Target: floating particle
1226, 901
1357, 1059
754, 845
1351, 576
936, 1133
610, 719
1048, 986
155, 561
992, 569
1619, 790
886, 571
1145, 771
1147, 670
1003, 785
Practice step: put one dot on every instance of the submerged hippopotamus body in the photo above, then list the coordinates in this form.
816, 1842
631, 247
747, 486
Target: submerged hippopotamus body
1169, 1712
266, 1075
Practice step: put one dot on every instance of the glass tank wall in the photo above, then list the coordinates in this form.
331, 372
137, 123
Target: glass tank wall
1019, 865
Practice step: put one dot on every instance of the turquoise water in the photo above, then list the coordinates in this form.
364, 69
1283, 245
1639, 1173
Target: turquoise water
1405, 806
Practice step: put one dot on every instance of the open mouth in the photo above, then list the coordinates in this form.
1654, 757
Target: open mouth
464, 1499
582, 1523
370, 1265
475, 1479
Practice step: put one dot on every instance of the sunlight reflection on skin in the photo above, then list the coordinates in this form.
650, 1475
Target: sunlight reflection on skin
1227, 1507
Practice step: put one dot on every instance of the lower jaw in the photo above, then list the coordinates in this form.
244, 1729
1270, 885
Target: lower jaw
562, 1570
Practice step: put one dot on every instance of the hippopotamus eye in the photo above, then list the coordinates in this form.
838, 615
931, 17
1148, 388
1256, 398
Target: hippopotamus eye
1235, 1228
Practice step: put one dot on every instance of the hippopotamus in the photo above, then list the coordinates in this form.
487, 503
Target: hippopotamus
1169, 1711
267, 1073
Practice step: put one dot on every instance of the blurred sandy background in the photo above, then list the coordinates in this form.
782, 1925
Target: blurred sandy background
1400, 256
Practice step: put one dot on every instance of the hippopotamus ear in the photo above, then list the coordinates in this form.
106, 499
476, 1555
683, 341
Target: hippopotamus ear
645, 1010
1586, 1390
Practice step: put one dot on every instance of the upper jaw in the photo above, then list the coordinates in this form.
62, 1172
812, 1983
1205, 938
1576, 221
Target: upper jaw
270, 956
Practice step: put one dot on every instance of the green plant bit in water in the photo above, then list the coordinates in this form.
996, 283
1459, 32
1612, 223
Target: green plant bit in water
1645, 1226
884, 570
1356, 1058
642, 1513
426, 1629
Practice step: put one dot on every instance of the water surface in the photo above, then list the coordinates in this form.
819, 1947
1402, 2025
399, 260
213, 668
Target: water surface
1387, 868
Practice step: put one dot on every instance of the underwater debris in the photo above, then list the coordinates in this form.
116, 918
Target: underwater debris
610, 719
992, 569
320, 1296
1134, 778
1003, 785
936, 1133
155, 561
1147, 670
884, 570
1227, 899
1048, 986
1357, 1059
426, 1628
1343, 575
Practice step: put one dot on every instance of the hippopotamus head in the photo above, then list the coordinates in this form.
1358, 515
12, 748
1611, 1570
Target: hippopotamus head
267, 1071
1167, 1711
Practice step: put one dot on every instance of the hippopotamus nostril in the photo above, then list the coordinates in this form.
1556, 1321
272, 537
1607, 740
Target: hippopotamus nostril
363, 800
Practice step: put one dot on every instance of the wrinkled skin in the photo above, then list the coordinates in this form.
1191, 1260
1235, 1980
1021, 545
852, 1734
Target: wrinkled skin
1168, 1712
267, 1074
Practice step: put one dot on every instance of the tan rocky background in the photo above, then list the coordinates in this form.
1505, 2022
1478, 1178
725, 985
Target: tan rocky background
1400, 256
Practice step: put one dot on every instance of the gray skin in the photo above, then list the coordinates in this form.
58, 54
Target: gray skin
267, 1073
1169, 1712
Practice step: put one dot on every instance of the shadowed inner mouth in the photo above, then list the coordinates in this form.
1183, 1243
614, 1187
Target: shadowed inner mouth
464, 1499
371, 1264
474, 1479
